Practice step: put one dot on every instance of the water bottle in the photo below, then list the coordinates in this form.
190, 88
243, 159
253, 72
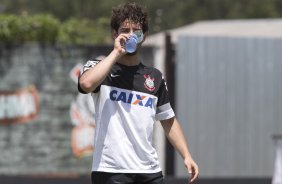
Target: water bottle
131, 44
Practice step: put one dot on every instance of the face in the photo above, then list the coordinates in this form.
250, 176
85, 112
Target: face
129, 27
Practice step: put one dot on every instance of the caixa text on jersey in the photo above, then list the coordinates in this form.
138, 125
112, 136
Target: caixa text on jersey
130, 98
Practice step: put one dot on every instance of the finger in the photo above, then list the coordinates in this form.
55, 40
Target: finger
194, 174
189, 167
120, 42
121, 39
124, 36
193, 178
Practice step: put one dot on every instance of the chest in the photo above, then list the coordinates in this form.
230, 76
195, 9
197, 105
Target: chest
140, 81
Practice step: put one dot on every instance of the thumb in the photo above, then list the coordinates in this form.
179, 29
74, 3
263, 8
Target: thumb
189, 167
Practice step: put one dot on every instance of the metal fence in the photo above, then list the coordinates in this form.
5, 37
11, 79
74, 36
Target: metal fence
229, 101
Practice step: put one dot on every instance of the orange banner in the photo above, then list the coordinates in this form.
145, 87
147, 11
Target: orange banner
82, 140
19, 106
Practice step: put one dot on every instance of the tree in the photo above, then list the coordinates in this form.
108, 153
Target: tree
165, 14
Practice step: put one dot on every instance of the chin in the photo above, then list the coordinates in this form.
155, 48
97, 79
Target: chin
132, 54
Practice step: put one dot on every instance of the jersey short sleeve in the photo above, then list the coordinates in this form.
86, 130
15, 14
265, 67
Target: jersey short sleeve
164, 109
88, 65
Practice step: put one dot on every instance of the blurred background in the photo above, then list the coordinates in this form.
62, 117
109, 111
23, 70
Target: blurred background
221, 60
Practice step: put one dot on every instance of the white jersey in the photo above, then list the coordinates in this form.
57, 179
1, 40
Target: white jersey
127, 104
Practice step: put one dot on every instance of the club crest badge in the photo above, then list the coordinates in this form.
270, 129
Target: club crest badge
149, 83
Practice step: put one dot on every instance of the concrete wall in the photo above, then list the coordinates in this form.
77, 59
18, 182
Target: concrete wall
42, 146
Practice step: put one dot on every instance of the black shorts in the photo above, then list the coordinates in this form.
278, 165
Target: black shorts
126, 178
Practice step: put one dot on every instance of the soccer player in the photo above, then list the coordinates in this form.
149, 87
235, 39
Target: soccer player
129, 98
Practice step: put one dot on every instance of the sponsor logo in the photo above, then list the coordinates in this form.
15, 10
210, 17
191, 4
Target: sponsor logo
149, 83
19, 106
130, 98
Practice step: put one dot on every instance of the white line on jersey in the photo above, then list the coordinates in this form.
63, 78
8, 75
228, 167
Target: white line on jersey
112, 75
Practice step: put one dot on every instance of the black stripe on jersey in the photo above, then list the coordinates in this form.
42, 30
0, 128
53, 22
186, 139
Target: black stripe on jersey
89, 64
134, 78
138, 78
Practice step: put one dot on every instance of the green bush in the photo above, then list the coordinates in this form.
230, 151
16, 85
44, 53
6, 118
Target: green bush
9, 28
84, 32
19, 29
44, 28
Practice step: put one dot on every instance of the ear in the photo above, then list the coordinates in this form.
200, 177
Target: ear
114, 34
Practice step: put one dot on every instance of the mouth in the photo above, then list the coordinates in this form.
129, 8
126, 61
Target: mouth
132, 54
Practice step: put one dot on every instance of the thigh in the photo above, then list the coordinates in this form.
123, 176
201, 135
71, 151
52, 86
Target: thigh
153, 178
111, 178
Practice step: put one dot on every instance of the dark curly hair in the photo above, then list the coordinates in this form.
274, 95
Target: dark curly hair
131, 11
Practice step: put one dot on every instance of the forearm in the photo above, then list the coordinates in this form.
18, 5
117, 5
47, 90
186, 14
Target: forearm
94, 76
176, 137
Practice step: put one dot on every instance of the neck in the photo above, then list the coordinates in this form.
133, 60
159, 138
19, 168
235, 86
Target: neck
129, 60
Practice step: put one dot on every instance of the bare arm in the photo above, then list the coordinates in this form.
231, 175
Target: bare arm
94, 76
175, 136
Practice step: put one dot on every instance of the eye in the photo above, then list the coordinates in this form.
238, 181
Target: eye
138, 32
124, 30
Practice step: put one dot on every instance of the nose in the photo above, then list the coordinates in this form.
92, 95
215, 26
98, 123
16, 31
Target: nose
131, 32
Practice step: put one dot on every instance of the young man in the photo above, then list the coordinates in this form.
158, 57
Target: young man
129, 98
